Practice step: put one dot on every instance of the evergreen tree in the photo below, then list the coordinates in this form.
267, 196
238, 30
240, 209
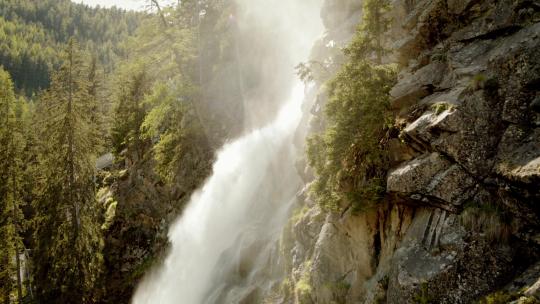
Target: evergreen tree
350, 157
99, 110
130, 112
11, 219
369, 38
68, 243
181, 141
33, 33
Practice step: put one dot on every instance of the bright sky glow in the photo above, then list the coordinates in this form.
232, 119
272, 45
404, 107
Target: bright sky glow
125, 4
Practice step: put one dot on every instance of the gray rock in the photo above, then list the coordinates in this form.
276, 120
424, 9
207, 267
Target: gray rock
458, 6
473, 146
433, 176
519, 155
415, 86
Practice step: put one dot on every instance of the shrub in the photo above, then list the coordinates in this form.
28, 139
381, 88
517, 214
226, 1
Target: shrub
303, 286
349, 157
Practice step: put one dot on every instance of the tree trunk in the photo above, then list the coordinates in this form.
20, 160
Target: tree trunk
160, 13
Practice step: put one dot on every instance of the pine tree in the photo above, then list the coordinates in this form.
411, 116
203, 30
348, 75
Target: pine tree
11, 218
130, 112
182, 141
369, 38
67, 254
98, 111
350, 157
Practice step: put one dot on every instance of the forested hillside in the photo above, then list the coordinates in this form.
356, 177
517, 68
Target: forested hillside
146, 96
33, 33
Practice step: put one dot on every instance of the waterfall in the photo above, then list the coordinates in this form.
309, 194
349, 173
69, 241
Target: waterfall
223, 246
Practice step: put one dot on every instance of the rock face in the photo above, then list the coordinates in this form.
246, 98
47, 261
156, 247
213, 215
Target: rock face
139, 208
461, 217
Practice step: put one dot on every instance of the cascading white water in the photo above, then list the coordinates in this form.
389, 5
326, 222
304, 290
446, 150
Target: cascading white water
235, 207
225, 239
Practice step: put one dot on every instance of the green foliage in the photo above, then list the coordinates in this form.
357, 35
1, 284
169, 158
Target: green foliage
311, 71
303, 286
423, 297
370, 36
305, 72
174, 118
184, 53
33, 34
67, 237
28, 52
440, 56
181, 138
109, 213
350, 157
440, 107
298, 214
287, 287
498, 298
165, 52
12, 146
505, 296
130, 111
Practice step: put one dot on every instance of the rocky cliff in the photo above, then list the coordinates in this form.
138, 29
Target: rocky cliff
460, 218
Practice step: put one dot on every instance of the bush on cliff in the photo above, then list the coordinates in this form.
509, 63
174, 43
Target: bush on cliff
349, 157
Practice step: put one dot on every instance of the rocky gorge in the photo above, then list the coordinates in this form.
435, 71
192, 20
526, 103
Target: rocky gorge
459, 219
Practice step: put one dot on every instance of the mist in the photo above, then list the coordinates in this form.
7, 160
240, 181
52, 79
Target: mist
224, 246
271, 38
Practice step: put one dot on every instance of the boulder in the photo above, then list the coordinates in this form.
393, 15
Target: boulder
518, 158
415, 86
432, 177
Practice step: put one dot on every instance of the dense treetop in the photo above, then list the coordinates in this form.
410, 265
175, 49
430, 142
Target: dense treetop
32, 33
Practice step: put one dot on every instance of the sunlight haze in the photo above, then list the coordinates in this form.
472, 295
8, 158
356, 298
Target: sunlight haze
125, 4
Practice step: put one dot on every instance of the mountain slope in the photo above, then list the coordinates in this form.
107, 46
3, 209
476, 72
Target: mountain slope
32, 34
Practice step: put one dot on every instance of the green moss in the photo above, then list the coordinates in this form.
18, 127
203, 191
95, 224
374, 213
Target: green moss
500, 297
110, 213
478, 81
442, 106
298, 214
303, 286
286, 287
423, 296
506, 296
122, 174
101, 193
